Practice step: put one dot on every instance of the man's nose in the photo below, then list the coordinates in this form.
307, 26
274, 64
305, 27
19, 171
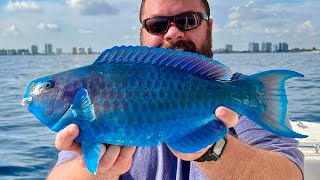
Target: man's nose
174, 34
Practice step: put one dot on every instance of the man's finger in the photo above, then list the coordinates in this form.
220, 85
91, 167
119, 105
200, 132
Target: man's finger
227, 116
110, 156
126, 153
190, 156
81, 161
64, 139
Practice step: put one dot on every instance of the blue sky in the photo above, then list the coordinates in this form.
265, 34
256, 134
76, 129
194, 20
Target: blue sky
101, 24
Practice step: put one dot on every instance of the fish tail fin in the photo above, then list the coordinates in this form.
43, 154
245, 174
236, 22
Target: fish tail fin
269, 105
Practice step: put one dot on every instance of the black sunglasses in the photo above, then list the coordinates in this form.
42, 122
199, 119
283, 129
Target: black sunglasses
184, 22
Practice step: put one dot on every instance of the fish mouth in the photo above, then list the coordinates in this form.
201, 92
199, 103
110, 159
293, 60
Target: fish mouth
26, 102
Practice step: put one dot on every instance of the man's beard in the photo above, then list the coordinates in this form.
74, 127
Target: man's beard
186, 45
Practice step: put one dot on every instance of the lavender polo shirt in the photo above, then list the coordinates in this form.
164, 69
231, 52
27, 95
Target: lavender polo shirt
159, 163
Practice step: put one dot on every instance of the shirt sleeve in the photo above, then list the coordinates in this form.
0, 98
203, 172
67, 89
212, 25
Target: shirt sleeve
253, 134
65, 156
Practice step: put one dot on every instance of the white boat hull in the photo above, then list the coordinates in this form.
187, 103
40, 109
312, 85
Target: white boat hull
310, 147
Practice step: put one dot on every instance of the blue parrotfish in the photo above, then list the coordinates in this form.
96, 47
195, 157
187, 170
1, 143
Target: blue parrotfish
141, 96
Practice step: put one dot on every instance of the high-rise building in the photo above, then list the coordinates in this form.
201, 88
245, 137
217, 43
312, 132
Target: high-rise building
266, 47
228, 48
48, 49
275, 48
89, 50
74, 50
12, 52
58, 51
34, 50
23, 52
254, 47
3, 52
283, 47
81, 51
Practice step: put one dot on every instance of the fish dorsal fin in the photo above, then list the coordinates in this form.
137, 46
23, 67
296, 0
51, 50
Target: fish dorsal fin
198, 65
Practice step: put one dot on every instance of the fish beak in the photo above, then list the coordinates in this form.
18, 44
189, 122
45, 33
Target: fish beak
26, 101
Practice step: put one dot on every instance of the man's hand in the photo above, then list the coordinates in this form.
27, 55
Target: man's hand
227, 116
115, 160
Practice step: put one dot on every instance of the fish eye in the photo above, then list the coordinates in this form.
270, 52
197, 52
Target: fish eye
49, 84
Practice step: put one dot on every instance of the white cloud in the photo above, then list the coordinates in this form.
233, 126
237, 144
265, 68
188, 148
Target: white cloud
252, 11
134, 28
233, 24
85, 31
256, 17
275, 31
22, 6
11, 31
308, 29
234, 15
48, 27
305, 26
250, 4
93, 7
131, 37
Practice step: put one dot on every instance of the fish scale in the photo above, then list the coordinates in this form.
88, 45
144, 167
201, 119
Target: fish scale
160, 101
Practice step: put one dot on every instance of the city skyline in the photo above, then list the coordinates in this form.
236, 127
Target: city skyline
48, 49
253, 47
100, 23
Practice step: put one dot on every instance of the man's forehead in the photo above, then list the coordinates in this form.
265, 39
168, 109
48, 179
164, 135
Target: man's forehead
171, 7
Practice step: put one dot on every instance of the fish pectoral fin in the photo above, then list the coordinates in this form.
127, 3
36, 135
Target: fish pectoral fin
200, 138
92, 153
82, 107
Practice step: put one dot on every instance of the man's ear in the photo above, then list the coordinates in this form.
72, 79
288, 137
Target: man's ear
210, 22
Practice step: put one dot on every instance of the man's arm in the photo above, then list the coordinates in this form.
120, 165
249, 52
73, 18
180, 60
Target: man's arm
242, 161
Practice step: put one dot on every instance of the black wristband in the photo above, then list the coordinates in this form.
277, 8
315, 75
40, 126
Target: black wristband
233, 132
211, 155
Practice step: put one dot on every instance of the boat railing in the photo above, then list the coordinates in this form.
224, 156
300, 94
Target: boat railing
311, 148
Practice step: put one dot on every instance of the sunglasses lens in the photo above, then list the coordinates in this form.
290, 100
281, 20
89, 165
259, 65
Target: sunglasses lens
187, 21
157, 25
184, 22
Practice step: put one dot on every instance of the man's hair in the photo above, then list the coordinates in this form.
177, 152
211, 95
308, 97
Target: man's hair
204, 3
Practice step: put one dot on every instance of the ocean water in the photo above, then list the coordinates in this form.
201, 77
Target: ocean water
27, 148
